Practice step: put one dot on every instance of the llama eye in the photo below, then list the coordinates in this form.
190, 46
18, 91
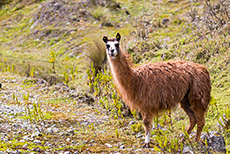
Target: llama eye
117, 45
107, 45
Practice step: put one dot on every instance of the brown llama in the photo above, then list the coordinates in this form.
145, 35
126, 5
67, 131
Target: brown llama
154, 87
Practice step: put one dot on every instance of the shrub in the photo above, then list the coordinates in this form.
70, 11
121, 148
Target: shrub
97, 54
99, 13
105, 93
215, 17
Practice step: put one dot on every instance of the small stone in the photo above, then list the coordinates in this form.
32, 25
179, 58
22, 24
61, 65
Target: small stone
37, 149
25, 146
85, 141
37, 142
67, 152
33, 135
85, 123
138, 150
71, 131
19, 132
164, 21
108, 145
73, 142
22, 141
50, 130
26, 137
172, 1
49, 145
131, 123
68, 139
158, 126
122, 147
76, 152
92, 141
187, 150
55, 130
15, 125
139, 135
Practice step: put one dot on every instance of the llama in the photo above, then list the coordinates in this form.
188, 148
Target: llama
155, 87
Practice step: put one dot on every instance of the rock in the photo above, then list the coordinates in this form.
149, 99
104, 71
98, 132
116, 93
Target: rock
25, 146
187, 150
37, 142
122, 147
84, 123
37, 149
22, 141
132, 122
158, 126
34, 134
108, 145
138, 150
215, 141
67, 152
49, 145
172, 1
50, 130
139, 135
26, 137
76, 152
164, 21
71, 131
55, 130
68, 139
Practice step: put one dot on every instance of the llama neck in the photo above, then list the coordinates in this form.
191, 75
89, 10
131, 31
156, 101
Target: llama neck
121, 71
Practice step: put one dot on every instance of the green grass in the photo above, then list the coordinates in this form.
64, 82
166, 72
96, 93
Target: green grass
180, 39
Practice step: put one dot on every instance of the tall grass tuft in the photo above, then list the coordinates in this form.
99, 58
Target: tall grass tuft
100, 13
97, 53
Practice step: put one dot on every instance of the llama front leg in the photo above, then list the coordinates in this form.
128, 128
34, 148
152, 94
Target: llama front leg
147, 120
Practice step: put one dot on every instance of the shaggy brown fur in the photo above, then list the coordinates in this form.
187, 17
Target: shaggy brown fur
154, 87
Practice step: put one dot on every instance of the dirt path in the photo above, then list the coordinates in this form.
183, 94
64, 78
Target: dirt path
39, 118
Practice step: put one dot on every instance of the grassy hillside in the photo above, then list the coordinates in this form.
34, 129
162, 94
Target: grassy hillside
57, 40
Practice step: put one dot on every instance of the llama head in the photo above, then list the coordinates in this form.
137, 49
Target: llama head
112, 46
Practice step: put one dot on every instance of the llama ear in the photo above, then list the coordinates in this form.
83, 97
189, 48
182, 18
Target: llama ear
118, 37
105, 39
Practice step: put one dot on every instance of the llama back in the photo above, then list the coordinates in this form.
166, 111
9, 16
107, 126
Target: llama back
160, 86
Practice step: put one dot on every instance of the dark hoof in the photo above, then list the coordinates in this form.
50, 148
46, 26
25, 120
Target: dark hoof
146, 145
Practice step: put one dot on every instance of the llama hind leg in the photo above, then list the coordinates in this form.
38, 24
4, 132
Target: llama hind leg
192, 119
147, 120
200, 120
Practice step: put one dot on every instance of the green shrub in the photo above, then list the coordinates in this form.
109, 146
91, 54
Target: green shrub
96, 52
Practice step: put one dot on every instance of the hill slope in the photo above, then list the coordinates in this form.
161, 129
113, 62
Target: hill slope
55, 40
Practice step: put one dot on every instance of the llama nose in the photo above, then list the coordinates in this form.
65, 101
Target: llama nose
112, 52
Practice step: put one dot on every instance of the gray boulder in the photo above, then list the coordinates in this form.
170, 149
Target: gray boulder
215, 141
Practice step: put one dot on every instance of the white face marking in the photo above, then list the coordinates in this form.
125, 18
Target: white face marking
147, 137
112, 48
